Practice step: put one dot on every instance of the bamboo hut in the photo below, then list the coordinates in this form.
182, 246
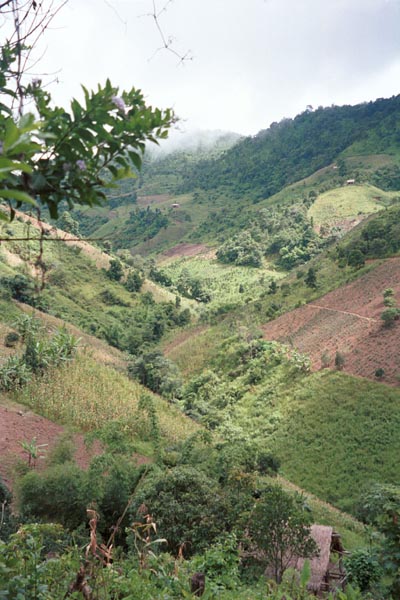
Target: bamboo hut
327, 573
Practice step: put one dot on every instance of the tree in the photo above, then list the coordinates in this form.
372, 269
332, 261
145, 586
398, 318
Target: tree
339, 360
390, 315
57, 155
69, 224
187, 507
279, 526
272, 287
380, 506
356, 259
116, 271
311, 278
134, 281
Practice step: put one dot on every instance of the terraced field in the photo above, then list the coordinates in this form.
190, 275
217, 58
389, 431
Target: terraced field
347, 320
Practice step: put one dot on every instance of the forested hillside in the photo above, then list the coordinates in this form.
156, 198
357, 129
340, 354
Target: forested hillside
295, 148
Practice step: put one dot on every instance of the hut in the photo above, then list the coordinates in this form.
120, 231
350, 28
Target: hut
327, 573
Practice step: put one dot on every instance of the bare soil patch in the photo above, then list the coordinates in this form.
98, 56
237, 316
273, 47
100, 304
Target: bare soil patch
185, 249
348, 320
18, 424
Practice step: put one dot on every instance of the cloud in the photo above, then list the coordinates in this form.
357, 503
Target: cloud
254, 62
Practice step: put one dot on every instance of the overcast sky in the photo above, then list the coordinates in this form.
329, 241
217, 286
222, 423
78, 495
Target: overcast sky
254, 61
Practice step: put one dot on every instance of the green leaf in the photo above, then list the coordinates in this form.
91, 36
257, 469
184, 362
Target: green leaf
136, 159
17, 195
11, 134
305, 573
6, 165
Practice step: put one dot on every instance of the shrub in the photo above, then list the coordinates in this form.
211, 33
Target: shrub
14, 373
11, 339
340, 360
59, 494
363, 569
63, 452
187, 507
389, 316
115, 271
134, 281
7, 524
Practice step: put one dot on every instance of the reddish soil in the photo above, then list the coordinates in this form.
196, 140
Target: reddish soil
18, 424
348, 320
185, 249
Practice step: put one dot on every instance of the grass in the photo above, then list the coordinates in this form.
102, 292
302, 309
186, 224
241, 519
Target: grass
223, 282
348, 202
339, 434
334, 434
192, 349
88, 395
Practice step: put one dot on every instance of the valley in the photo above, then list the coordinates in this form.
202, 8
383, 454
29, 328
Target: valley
224, 325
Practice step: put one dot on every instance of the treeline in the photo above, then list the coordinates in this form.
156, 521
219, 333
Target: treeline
294, 148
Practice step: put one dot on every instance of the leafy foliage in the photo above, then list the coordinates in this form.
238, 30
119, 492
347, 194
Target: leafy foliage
187, 506
72, 156
279, 526
295, 148
242, 250
40, 353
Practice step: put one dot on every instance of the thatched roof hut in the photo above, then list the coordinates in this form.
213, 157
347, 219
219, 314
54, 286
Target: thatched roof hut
323, 571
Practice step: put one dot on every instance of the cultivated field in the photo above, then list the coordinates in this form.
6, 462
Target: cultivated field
353, 202
348, 320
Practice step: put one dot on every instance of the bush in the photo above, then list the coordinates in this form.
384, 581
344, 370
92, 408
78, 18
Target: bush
157, 373
363, 569
63, 452
115, 271
186, 506
389, 316
11, 339
340, 360
14, 373
60, 494
7, 523
134, 281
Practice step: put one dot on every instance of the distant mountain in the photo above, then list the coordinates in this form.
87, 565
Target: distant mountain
196, 141
295, 148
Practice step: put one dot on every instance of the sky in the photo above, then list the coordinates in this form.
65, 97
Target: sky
252, 61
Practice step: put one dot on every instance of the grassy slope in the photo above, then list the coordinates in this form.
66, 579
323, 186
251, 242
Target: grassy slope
75, 280
347, 202
223, 281
92, 390
339, 434
88, 394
